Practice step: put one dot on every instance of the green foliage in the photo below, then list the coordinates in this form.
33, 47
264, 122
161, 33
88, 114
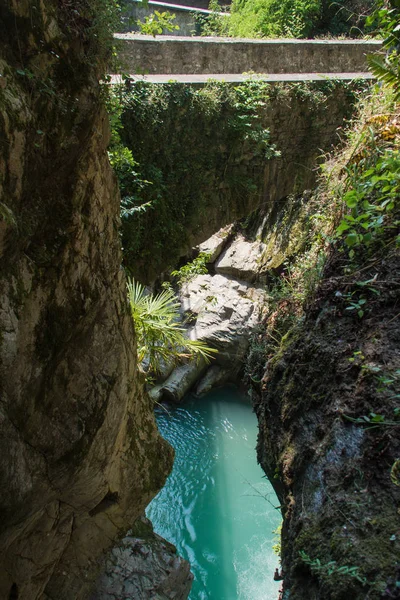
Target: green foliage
344, 17
216, 23
356, 304
386, 65
299, 278
94, 22
374, 192
387, 387
196, 147
395, 472
277, 546
160, 336
331, 568
371, 188
255, 359
374, 420
157, 23
122, 161
357, 299
198, 266
247, 101
274, 18
292, 18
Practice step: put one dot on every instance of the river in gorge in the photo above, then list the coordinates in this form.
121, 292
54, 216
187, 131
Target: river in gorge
217, 506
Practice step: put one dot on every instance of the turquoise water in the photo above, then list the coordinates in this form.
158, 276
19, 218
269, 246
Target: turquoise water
217, 508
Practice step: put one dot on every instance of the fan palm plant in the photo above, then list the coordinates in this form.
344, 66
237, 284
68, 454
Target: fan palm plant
160, 336
386, 65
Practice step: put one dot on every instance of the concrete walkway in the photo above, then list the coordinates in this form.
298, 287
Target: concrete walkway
346, 43
237, 78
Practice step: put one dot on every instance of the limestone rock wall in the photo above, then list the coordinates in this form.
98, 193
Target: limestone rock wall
80, 452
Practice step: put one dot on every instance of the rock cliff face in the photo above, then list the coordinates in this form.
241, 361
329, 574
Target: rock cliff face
337, 479
81, 455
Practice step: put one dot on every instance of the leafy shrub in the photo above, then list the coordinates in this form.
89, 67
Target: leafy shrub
373, 186
386, 66
216, 23
290, 18
331, 568
123, 163
198, 266
274, 18
93, 22
157, 23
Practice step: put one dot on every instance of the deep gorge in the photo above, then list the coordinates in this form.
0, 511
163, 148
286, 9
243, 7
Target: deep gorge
81, 453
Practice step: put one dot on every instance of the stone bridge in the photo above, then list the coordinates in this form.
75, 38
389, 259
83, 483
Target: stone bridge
229, 58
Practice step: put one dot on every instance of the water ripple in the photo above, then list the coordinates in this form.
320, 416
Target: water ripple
213, 506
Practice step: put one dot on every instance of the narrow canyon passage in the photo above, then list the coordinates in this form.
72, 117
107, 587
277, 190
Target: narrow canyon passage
217, 506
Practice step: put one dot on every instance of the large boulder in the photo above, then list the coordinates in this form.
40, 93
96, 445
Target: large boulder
216, 243
143, 566
241, 259
226, 311
223, 313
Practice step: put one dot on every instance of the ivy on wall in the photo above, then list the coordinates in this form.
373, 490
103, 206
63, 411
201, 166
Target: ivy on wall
194, 147
186, 154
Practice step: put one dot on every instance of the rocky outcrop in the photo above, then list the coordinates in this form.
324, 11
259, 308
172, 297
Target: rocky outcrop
144, 566
216, 243
225, 309
180, 382
81, 455
241, 259
221, 311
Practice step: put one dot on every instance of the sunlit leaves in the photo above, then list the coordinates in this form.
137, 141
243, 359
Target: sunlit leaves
159, 332
374, 194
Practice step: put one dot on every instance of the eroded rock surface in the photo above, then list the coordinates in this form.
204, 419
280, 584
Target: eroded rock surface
241, 259
334, 472
223, 312
81, 455
216, 243
225, 309
144, 566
